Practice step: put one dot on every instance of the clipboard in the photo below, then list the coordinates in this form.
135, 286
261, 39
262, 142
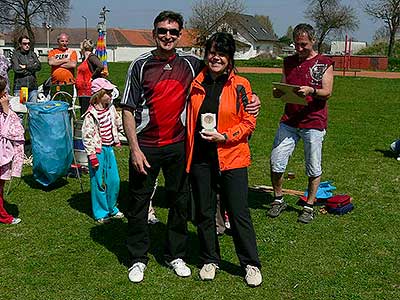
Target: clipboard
290, 95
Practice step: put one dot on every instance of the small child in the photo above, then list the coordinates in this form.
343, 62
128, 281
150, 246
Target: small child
11, 148
101, 124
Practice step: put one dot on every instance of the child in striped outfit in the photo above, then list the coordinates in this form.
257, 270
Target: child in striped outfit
101, 124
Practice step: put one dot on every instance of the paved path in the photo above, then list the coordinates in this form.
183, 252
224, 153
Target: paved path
374, 74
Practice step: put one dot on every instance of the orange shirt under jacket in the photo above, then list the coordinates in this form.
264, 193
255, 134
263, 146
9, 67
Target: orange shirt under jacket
233, 121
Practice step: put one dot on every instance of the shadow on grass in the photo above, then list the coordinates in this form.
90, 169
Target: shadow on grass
259, 199
12, 209
387, 153
33, 184
81, 202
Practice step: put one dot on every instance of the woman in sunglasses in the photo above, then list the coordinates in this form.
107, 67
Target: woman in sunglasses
25, 64
218, 154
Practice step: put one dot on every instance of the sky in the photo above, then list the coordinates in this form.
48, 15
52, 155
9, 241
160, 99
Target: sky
139, 14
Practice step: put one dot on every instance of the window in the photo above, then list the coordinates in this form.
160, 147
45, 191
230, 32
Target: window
255, 30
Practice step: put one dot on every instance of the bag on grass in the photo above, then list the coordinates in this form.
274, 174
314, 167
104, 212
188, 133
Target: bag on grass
341, 210
338, 201
324, 191
51, 136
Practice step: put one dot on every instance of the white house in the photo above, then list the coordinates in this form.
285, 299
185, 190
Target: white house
122, 44
339, 47
252, 39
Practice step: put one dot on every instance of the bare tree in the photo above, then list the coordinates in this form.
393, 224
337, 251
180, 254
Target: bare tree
381, 35
24, 15
389, 12
266, 22
330, 16
206, 12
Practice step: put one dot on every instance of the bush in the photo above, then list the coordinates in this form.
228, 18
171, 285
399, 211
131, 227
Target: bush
259, 62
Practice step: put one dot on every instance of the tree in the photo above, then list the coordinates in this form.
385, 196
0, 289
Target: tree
266, 22
287, 39
381, 35
330, 16
206, 12
23, 15
389, 12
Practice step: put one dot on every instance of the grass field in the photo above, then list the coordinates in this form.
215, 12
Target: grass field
58, 252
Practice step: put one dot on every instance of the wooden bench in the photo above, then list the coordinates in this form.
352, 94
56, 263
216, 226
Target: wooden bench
354, 71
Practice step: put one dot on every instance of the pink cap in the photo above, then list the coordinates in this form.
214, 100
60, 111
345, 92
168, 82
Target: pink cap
101, 83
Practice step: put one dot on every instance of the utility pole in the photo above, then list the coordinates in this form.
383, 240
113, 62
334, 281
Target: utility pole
85, 26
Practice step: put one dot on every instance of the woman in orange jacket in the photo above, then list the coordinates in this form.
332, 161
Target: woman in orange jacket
218, 154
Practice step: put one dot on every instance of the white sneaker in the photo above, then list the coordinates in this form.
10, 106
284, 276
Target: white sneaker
136, 272
253, 276
208, 271
180, 267
15, 221
152, 219
118, 215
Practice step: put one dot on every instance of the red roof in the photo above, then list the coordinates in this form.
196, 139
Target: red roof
144, 37
115, 37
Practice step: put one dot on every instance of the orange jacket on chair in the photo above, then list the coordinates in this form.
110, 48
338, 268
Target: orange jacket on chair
233, 121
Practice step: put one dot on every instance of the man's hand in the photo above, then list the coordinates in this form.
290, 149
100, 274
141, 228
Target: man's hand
139, 161
305, 90
254, 106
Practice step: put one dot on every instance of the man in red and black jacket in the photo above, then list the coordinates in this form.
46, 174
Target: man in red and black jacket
313, 73
154, 108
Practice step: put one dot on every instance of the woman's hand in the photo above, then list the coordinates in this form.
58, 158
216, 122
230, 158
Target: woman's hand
212, 136
4, 102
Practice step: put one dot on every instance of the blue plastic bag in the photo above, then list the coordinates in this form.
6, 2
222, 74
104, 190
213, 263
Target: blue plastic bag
51, 137
324, 191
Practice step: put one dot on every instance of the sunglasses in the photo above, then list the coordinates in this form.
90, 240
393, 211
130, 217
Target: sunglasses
28, 43
163, 31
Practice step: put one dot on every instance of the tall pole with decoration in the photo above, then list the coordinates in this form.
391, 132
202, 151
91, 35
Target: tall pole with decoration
101, 50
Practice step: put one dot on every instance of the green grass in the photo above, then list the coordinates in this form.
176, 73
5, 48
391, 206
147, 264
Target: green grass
58, 252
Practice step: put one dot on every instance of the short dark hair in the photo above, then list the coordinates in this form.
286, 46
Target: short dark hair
171, 16
24, 36
304, 28
223, 42
3, 83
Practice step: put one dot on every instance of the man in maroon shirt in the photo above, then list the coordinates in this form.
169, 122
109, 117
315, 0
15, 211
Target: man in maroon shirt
314, 74
154, 111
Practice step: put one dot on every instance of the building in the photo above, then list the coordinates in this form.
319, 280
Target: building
252, 39
122, 44
339, 47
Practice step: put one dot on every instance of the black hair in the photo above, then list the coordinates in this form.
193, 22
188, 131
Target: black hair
304, 28
223, 42
171, 16
3, 84
23, 37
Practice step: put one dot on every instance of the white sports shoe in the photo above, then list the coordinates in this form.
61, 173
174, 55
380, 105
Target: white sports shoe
118, 215
253, 276
136, 272
208, 271
16, 221
180, 267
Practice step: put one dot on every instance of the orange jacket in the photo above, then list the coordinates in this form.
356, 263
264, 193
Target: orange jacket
232, 121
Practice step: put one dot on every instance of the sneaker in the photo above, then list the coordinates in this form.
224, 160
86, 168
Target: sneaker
152, 219
207, 272
253, 276
102, 220
307, 215
15, 221
118, 215
180, 267
136, 272
276, 208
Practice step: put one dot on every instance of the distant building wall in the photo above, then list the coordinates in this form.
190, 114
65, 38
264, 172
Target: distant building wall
338, 47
